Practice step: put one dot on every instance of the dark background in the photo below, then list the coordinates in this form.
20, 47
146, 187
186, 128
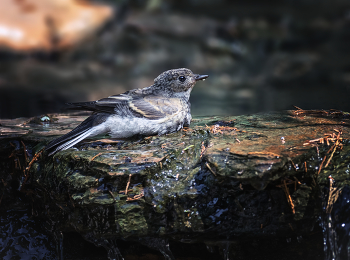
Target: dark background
260, 55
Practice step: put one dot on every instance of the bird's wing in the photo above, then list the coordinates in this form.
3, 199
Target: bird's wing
125, 105
155, 107
107, 105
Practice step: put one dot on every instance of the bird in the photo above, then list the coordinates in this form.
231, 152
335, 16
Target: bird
159, 109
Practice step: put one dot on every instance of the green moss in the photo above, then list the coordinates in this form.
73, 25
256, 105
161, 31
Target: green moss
220, 178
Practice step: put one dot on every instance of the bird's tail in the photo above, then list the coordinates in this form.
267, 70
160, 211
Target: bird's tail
82, 131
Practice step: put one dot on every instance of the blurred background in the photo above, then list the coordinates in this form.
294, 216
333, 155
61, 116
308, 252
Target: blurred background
260, 55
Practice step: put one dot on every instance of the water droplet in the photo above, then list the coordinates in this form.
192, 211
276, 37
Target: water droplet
300, 239
45, 119
211, 249
343, 225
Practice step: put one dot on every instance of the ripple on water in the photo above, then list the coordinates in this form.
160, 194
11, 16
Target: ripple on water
21, 238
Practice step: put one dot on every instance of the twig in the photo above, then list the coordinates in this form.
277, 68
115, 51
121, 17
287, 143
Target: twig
297, 181
335, 146
206, 164
319, 170
34, 159
330, 158
136, 197
26, 170
127, 185
332, 195
188, 147
111, 195
93, 158
289, 198
203, 148
123, 191
291, 227
24, 151
330, 149
295, 168
14, 151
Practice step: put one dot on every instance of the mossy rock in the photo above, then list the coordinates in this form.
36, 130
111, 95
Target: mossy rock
221, 179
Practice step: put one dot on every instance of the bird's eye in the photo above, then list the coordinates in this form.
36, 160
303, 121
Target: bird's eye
182, 78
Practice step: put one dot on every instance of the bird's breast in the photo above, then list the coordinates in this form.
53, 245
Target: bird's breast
124, 127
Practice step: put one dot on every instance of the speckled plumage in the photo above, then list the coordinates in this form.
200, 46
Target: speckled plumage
159, 109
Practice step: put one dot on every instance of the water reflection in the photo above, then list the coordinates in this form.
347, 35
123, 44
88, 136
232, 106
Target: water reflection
336, 228
23, 237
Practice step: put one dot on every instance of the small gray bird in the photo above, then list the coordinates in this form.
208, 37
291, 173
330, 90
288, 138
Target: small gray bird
159, 109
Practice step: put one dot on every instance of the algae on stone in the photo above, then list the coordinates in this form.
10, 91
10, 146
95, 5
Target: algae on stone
221, 179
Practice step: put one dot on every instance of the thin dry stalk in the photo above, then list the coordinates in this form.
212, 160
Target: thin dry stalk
127, 185
93, 158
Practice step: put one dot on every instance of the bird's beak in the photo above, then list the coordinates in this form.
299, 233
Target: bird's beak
201, 77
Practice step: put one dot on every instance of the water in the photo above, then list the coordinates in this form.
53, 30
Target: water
22, 237
336, 228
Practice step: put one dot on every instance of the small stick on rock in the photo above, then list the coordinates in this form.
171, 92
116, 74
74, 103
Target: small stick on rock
34, 159
93, 158
206, 164
319, 170
289, 198
127, 185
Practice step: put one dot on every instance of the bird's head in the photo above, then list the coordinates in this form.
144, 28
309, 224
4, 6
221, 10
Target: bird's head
178, 80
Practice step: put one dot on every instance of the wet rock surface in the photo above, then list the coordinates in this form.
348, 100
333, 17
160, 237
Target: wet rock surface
223, 179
